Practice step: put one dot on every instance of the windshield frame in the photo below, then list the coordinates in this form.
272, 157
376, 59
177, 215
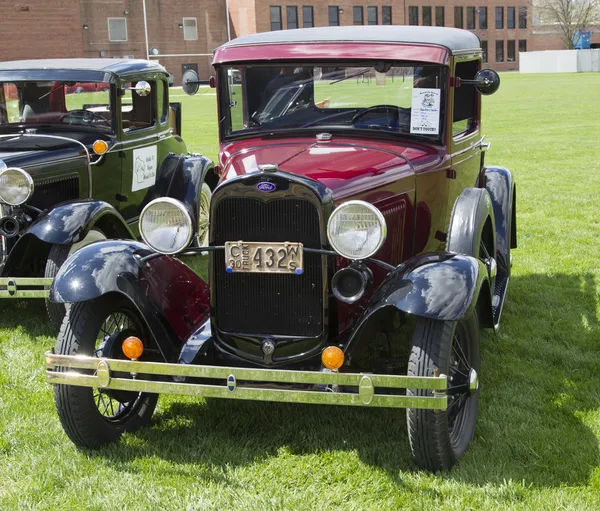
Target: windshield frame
225, 120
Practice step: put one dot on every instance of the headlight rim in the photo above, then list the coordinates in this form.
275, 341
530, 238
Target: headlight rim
30, 183
377, 213
181, 206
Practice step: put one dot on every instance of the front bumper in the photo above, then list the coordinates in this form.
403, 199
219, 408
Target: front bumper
246, 383
25, 287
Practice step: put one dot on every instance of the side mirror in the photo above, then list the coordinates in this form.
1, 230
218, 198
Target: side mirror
486, 81
190, 82
143, 88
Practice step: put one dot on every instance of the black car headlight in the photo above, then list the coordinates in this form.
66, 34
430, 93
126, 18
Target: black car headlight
166, 225
16, 186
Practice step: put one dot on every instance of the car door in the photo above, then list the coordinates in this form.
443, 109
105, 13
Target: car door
139, 132
465, 140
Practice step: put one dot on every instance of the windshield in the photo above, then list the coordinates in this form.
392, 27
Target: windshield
56, 103
382, 96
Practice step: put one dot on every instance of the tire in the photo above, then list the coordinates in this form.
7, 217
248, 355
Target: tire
203, 215
57, 256
85, 412
438, 439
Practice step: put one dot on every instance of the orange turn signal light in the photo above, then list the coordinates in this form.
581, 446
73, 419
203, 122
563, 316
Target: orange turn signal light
100, 147
132, 348
332, 357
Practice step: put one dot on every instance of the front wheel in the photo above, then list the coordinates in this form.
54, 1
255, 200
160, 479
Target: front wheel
438, 439
92, 417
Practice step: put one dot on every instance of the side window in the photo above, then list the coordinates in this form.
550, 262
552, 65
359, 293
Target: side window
465, 100
164, 117
138, 111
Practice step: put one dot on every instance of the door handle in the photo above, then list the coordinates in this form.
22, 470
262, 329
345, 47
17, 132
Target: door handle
485, 146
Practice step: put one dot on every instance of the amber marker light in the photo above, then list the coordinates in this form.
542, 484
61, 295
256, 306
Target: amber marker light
132, 348
332, 357
100, 147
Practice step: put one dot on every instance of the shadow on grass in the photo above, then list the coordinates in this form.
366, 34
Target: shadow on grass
540, 377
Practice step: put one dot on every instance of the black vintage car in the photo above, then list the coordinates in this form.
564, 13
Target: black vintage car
359, 241
85, 144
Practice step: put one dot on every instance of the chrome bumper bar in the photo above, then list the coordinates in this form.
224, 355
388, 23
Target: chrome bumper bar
25, 287
241, 383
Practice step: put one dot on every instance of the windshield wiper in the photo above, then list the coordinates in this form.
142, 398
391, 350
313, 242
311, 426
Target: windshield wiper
353, 75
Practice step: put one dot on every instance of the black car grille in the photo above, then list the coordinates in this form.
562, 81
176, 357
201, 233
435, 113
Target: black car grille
48, 193
258, 303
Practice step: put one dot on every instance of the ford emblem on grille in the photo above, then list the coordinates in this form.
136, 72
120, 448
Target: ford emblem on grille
231, 383
265, 187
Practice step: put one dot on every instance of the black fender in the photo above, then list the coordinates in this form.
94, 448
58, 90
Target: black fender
500, 185
437, 285
181, 178
172, 300
64, 224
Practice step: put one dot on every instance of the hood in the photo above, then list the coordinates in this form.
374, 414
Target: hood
36, 157
345, 166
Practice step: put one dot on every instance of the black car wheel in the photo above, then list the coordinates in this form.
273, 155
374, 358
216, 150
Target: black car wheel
57, 256
438, 439
93, 417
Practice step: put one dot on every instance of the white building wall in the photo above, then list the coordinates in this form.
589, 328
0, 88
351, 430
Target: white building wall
560, 61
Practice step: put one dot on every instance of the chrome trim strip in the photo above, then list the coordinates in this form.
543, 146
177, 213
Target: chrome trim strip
10, 287
438, 384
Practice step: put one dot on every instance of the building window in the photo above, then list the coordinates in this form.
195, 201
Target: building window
499, 17
522, 17
372, 15
413, 15
117, 30
426, 16
510, 51
275, 17
386, 15
307, 16
499, 51
190, 29
522, 45
458, 17
510, 17
357, 13
334, 16
483, 18
439, 16
471, 18
291, 13
484, 51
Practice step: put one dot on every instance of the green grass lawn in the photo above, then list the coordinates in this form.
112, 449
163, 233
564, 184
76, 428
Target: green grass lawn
538, 434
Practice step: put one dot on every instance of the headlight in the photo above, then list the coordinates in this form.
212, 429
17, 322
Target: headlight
166, 225
16, 186
356, 230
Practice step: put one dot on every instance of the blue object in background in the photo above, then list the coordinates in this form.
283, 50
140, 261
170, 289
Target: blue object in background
582, 40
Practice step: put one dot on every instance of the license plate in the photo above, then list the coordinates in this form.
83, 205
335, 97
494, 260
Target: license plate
263, 257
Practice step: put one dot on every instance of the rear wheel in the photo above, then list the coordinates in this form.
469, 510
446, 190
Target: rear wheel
57, 256
438, 439
92, 417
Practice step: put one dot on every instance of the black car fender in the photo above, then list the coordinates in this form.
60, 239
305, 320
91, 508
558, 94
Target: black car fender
170, 298
437, 285
500, 185
65, 224
181, 178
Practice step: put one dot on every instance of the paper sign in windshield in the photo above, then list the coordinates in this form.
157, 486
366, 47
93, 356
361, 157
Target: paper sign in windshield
425, 113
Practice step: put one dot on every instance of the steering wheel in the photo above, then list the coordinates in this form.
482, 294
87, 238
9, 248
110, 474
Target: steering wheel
87, 116
379, 108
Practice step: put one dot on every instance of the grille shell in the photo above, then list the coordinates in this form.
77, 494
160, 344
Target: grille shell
268, 304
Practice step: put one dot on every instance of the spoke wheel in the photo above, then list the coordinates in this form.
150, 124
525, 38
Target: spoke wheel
438, 439
92, 417
203, 215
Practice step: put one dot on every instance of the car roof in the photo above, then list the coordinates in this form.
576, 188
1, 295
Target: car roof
97, 67
453, 39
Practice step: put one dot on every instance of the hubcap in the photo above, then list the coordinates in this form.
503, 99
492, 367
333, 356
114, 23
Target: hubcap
203, 214
473, 381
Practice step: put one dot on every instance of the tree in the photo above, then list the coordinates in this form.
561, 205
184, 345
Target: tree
571, 16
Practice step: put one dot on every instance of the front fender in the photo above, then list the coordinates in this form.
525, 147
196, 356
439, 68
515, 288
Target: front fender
440, 286
70, 222
172, 300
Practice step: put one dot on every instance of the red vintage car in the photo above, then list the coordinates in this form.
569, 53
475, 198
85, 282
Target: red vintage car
358, 243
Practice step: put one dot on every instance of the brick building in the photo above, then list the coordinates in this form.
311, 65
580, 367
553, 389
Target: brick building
183, 33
